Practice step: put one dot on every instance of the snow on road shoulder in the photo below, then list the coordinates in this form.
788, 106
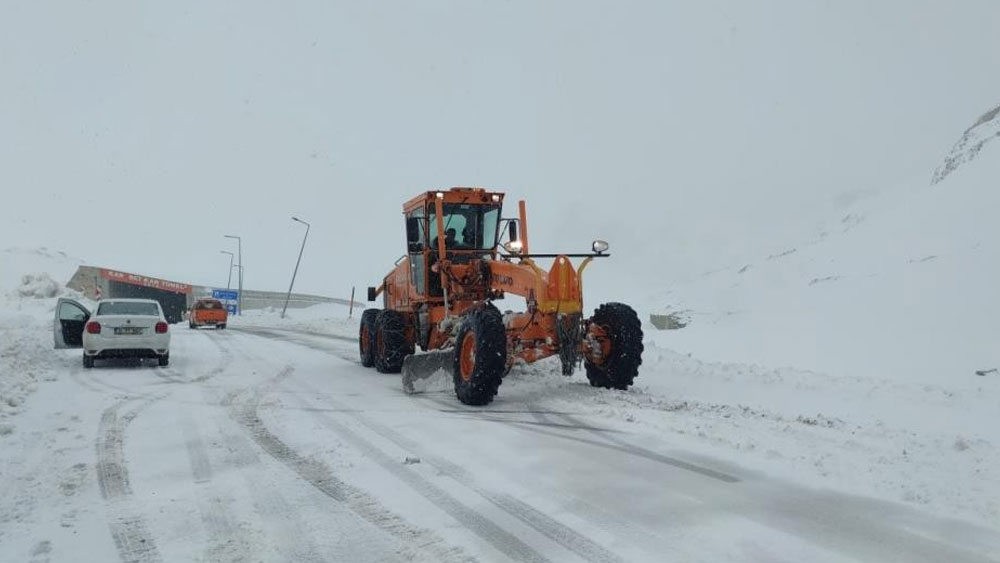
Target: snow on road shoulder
328, 319
26, 354
925, 446
28, 293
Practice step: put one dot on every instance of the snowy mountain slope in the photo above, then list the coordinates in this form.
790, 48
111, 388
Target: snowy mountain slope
860, 346
904, 289
985, 130
16, 262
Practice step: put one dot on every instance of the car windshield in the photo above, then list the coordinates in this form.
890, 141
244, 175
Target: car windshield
128, 308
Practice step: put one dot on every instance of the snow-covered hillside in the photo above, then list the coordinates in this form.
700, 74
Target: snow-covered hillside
985, 130
903, 287
880, 332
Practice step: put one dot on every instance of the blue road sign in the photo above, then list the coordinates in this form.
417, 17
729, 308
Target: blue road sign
225, 294
231, 308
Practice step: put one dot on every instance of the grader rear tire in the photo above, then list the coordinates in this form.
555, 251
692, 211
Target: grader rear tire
480, 356
623, 331
366, 337
391, 346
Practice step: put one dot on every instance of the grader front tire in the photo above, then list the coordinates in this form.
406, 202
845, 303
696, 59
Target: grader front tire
480, 356
366, 337
621, 346
391, 346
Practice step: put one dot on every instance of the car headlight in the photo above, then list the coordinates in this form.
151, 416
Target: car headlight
601, 246
513, 246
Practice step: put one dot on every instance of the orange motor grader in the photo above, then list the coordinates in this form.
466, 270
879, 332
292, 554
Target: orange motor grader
440, 297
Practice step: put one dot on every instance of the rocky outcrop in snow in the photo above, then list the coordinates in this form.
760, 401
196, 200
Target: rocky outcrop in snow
986, 129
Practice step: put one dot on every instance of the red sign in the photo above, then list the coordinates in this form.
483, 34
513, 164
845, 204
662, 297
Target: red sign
136, 279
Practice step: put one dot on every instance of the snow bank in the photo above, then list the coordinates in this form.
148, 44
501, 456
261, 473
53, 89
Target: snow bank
28, 295
39, 286
326, 318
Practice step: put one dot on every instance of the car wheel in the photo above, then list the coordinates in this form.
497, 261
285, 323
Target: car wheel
164, 360
88, 361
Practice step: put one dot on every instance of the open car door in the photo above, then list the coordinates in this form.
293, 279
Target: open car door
71, 318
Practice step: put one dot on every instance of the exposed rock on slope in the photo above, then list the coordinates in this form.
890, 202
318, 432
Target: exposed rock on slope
985, 130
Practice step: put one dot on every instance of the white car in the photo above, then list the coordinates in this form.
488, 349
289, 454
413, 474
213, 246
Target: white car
120, 328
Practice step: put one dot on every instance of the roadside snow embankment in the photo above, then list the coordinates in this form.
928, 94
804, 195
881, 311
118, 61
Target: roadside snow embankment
28, 294
326, 319
26, 354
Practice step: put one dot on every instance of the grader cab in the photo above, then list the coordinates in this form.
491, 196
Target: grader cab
461, 256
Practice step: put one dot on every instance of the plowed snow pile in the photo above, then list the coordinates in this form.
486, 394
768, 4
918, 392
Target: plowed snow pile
28, 293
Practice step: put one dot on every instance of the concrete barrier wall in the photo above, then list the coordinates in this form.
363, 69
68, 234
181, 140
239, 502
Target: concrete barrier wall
88, 280
263, 299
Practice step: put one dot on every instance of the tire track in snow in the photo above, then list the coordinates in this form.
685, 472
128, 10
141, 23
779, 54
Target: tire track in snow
128, 528
417, 544
225, 541
285, 532
556, 531
172, 375
291, 337
498, 537
609, 441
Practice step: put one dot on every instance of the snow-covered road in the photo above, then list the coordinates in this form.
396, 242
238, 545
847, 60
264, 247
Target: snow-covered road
265, 444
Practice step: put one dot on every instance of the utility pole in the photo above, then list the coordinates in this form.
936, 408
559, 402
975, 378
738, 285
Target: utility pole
239, 246
297, 262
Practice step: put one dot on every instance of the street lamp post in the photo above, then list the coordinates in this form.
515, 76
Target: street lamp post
297, 262
239, 246
229, 283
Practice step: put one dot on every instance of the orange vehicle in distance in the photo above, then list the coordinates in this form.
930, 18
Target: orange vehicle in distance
208, 312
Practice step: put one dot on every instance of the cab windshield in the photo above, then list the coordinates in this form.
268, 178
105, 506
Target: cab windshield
467, 226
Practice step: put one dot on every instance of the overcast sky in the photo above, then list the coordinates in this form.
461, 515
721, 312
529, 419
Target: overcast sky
136, 134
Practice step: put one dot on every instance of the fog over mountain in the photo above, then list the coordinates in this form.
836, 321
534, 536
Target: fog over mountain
689, 136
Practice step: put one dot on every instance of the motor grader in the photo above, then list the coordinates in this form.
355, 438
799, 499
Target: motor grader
440, 295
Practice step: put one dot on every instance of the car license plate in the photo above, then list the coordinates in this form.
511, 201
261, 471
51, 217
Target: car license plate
128, 330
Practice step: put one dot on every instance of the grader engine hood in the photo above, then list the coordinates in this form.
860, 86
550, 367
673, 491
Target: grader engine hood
560, 290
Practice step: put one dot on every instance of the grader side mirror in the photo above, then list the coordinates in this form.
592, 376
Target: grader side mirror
512, 229
372, 293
